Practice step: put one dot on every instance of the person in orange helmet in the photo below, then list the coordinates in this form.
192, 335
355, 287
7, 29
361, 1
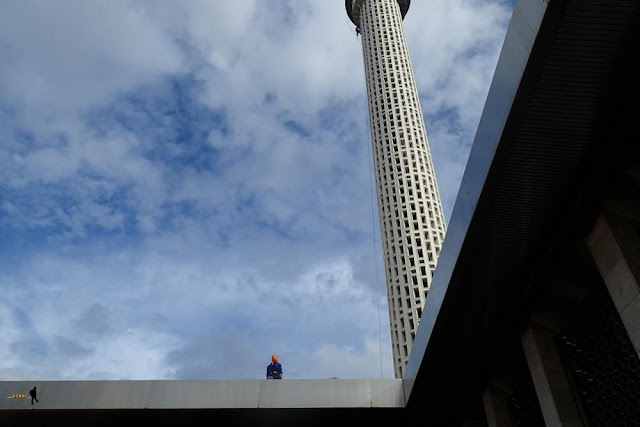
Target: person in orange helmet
274, 369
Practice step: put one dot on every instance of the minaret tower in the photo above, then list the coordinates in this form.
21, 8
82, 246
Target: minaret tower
412, 224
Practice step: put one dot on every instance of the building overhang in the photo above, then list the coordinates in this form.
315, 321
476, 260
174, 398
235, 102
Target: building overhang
557, 137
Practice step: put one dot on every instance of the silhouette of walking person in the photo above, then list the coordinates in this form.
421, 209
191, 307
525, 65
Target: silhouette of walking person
33, 394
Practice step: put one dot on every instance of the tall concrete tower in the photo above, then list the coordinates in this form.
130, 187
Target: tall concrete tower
412, 224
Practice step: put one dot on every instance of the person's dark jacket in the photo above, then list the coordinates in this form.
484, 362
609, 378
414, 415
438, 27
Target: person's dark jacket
274, 371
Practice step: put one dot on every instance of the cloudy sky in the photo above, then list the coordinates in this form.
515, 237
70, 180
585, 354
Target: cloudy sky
186, 186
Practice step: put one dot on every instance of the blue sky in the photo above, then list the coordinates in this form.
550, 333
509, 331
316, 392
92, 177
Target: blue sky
185, 186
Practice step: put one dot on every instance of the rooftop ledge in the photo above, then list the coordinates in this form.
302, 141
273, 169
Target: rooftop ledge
203, 394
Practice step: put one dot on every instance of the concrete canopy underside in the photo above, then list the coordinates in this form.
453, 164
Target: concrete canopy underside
557, 143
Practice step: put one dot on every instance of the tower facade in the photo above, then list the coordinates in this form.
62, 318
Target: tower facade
412, 225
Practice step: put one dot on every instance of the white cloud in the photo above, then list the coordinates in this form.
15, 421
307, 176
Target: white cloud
330, 360
65, 57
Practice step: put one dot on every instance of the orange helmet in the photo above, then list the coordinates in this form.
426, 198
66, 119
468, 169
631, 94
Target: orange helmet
274, 358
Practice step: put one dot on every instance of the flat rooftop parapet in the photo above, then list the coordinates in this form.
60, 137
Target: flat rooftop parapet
202, 394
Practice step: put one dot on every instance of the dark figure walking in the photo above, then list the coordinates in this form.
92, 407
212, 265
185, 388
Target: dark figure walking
274, 369
33, 394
